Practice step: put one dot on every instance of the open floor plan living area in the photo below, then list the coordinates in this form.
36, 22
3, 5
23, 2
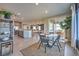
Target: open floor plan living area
39, 29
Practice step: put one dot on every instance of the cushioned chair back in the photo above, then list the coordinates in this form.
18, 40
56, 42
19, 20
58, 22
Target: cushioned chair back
43, 39
57, 39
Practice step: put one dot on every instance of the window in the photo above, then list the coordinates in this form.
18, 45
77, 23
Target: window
16, 27
57, 28
51, 27
34, 27
39, 27
54, 27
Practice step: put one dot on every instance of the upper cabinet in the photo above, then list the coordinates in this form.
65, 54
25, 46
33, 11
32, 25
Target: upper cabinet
37, 27
41, 27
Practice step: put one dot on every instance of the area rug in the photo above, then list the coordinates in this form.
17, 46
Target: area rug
34, 51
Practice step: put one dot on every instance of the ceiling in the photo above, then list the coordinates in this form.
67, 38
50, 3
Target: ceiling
30, 11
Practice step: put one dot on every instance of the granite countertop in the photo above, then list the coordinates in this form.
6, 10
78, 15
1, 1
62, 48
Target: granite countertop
2, 41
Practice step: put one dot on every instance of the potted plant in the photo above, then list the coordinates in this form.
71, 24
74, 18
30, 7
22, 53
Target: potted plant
66, 25
7, 15
1, 14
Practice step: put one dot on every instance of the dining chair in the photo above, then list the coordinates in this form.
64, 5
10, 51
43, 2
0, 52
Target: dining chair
56, 43
46, 42
43, 41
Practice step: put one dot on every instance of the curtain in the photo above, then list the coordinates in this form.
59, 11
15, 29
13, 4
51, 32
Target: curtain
74, 37
75, 26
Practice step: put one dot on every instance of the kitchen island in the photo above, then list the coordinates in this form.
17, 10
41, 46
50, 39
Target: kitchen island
25, 33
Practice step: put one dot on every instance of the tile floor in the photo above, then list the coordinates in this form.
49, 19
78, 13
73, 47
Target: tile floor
20, 43
70, 51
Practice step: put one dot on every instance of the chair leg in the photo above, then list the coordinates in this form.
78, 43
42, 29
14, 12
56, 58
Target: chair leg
39, 45
60, 44
58, 47
45, 49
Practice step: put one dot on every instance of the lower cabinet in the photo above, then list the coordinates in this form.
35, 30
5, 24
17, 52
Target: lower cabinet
27, 34
6, 48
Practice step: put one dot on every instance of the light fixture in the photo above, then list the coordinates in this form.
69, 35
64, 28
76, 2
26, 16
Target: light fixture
18, 14
36, 4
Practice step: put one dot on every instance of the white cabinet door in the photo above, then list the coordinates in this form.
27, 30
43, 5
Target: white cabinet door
27, 34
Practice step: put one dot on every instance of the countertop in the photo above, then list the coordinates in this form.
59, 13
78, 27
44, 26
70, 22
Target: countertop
2, 41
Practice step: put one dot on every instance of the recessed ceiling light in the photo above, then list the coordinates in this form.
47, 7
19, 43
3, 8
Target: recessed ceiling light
36, 4
46, 11
18, 14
